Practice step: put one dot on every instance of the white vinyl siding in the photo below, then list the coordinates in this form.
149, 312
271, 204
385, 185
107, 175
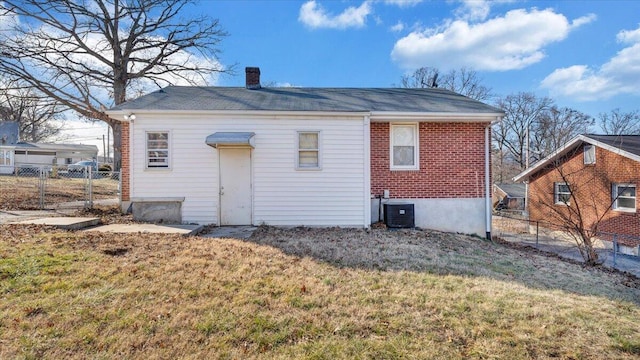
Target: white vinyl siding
282, 195
404, 146
157, 149
589, 154
624, 197
308, 150
561, 193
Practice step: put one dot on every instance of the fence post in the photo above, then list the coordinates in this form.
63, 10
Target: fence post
537, 233
615, 248
90, 172
41, 184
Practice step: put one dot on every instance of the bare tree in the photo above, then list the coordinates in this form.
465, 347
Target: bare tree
522, 110
463, 81
90, 55
581, 199
34, 113
554, 127
617, 122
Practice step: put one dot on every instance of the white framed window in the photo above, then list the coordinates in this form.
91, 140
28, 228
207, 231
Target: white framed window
308, 150
404, 147
158, 149
561, 193
6, 157
624, 197
589, 154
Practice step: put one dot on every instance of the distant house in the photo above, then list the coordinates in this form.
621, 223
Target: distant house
307, 156
15, 154
602, 172
509, 196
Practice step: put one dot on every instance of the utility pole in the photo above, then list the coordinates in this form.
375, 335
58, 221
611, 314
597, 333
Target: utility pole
104, 150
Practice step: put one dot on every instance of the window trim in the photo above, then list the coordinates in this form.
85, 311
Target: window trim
586, 149
416, 147
7, 154
318, 150
556, 194
146, 150
615, 196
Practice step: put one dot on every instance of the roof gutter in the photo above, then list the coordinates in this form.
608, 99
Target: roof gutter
122, 115
383, 116
375, 116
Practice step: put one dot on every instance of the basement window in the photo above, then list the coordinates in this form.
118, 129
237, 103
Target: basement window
561, 193
624, 197
157, 150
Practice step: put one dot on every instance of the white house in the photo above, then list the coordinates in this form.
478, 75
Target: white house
306, 156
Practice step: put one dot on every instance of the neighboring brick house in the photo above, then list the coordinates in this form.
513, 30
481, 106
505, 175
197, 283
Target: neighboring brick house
307, 156
599, 172
509, 196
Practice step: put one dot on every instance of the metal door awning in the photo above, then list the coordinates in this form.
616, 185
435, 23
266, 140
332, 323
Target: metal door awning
231, 139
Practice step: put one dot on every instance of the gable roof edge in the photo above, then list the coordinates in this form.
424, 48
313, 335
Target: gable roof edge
568, 146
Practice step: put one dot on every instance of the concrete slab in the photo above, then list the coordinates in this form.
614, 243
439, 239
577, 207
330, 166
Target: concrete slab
186, 230
8, 216
67, 223
231, 232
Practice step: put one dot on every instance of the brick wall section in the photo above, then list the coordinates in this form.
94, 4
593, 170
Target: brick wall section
592, 185
126, 164
451, 162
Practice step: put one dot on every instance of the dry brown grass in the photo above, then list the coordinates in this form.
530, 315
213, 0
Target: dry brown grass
302, 293
23, 193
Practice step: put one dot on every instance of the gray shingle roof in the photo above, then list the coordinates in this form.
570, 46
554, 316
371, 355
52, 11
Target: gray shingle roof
184, 98
56, 147
513, 190
628, 143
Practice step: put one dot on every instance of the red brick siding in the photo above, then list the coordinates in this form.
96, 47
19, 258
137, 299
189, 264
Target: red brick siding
592, 186
451, 162
125, 170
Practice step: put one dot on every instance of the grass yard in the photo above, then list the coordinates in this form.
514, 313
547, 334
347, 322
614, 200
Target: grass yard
23, 193
304, 294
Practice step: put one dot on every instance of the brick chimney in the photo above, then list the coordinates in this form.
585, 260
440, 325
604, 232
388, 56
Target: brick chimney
253, 77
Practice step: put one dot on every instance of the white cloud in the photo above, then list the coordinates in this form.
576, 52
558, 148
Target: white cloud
583, 20
473, 10
513, 41
399, 26
403, 3
629, 36
620, 75
315, 16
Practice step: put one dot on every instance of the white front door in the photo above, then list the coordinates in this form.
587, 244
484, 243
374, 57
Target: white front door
235, 186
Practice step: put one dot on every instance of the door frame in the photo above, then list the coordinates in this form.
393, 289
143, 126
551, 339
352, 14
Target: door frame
251, 171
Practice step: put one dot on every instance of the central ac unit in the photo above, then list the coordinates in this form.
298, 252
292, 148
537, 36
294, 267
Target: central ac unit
399, 215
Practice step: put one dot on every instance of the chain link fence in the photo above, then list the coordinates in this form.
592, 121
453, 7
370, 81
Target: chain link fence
618, 251
45, 187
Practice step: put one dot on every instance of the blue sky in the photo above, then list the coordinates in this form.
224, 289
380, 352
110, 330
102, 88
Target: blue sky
583, 54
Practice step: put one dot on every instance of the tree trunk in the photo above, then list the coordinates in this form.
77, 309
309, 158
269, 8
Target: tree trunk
116, 127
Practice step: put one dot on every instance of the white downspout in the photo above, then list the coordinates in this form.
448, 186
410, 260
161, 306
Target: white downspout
487, 180
366, 134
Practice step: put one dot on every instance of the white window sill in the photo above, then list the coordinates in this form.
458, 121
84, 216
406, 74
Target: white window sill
404, 169
625, 210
